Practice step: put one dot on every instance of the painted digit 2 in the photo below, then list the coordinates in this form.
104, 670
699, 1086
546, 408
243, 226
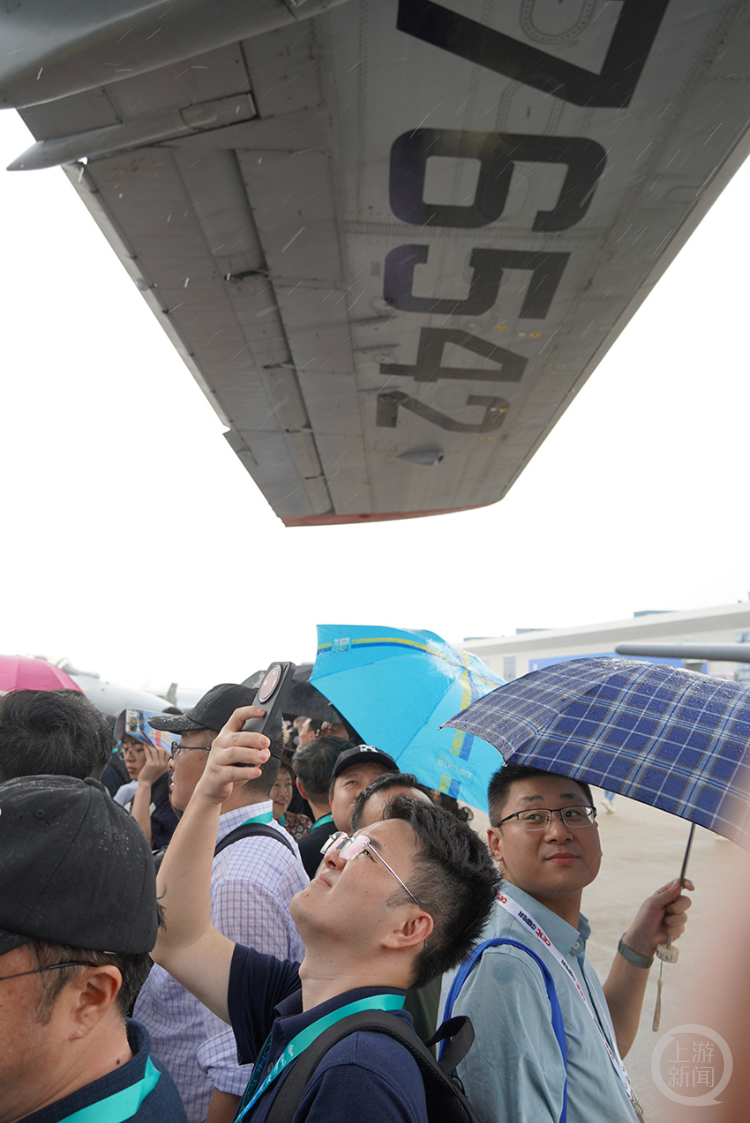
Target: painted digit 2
497, 154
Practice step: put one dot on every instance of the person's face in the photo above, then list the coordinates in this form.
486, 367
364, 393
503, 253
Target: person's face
352, 901
556, 863
134, 755
347, 787
188, 765
281, 793
307, 732
29, 1049
372, 812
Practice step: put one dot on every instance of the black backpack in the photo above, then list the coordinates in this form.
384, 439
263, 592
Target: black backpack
446, 1102
249, 830
245, 830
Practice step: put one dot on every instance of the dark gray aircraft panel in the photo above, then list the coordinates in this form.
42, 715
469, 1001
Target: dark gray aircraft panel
393, 241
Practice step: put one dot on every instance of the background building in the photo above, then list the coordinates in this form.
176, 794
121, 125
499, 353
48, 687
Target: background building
532, 648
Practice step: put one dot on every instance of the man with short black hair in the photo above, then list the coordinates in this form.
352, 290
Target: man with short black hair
370, 804
545, 839
53, 733
78, 918
389, 910
253, 880
313, 764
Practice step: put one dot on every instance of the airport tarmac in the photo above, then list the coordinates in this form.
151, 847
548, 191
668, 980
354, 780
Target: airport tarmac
643, 849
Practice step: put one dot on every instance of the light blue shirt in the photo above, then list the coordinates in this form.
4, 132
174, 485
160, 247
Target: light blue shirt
513, 1072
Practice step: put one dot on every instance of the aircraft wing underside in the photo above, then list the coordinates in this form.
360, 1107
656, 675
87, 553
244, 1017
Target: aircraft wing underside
393, 241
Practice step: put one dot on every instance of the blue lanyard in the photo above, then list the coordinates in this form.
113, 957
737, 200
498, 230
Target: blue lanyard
121, 1105
306, 1037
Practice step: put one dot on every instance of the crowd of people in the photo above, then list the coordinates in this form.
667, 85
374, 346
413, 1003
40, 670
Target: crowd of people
186, 907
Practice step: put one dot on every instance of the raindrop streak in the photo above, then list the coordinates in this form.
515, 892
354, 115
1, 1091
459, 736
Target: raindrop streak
41, 68
292, 239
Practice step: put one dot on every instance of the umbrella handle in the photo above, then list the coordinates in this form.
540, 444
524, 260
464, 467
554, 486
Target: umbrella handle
665, 952
657, 1009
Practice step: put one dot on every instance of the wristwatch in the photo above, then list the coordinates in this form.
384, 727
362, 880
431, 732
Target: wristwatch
633, 956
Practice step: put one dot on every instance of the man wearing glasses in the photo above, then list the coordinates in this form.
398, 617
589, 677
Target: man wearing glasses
545, 839
252, 882
78, 918
388, 910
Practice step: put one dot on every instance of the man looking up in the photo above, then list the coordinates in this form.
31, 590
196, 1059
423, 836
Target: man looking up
389, 910
370, 806
78, 917
546, 842
252, 882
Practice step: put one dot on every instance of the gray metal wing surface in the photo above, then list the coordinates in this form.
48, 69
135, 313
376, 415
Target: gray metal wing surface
392, 241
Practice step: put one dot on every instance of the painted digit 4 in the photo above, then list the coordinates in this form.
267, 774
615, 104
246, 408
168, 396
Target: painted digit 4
432, 342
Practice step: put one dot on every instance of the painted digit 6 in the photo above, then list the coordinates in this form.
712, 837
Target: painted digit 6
497, 153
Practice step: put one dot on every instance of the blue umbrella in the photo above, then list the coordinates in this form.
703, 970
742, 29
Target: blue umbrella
671, 738
397, 688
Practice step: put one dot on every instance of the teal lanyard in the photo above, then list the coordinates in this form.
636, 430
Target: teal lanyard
266, 817
324, 820
121, 1105
306, 1037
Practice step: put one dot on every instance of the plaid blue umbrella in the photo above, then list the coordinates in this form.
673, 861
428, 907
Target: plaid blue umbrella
670, 738
397, 688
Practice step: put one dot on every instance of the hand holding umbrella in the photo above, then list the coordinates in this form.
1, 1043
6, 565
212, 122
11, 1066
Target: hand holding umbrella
660, 920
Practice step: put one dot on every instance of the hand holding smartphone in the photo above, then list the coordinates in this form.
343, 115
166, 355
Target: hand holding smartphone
270, 695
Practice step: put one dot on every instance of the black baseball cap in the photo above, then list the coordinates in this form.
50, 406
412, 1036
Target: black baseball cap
363, 754
75, 868
212, 711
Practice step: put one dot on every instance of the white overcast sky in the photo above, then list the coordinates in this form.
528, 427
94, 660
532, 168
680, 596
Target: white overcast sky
134, 542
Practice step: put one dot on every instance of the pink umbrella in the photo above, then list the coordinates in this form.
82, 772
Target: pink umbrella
17, 673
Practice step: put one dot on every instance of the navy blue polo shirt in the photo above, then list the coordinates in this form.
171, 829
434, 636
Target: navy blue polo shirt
367, 1077
163, 819
162, 1104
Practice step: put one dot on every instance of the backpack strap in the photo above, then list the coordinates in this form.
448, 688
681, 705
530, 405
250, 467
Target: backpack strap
558, 1025
446, 1103
249, 830
458, 1036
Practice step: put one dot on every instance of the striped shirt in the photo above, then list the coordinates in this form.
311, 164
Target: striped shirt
252, 883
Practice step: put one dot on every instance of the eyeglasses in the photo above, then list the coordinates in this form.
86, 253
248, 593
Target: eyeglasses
349, 848
539, 818
189, 748
133, 750
52, 967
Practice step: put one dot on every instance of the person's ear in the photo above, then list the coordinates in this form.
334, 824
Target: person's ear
495, 843
300, 789
90, 997
412, 932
